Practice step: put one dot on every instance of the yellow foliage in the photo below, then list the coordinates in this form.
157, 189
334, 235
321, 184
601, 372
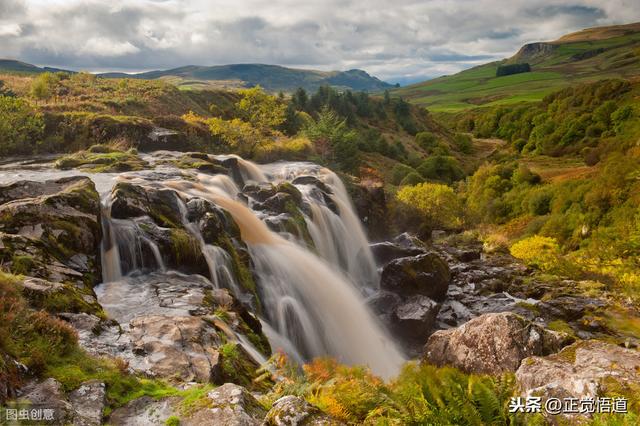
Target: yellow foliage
436, 202
284, 149
262, 110
541, 252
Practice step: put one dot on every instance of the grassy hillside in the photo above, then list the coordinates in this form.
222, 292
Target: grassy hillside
585, 56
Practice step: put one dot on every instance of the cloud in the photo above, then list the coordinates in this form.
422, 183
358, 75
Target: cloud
406, 41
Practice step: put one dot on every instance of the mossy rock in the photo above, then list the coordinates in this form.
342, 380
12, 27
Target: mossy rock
103, 162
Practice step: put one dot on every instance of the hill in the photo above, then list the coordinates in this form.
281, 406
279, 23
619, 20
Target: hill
272, 78
13, 66
584, 56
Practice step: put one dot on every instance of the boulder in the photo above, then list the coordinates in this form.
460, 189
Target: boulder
144, 411
48, 394
585, 369
293, 411
88, 402
183, 347
426, 274
415, 318
228, 405
51, 229
387, 251
492, 343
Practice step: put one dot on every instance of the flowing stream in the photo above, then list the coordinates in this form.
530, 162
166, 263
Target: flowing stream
312, 297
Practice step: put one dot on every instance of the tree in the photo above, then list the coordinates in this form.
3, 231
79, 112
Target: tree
261, 110
437, 204
20, 126
444, 168
334, 141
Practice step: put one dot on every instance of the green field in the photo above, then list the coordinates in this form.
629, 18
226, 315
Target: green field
567, 63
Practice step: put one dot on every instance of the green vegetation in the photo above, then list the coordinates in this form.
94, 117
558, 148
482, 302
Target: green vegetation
102, 159
572, 59
21, 127
510, 69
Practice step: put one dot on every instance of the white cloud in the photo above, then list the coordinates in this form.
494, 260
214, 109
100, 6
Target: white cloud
404, 40
102, 46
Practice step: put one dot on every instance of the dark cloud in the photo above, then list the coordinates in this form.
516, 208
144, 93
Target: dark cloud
402, 42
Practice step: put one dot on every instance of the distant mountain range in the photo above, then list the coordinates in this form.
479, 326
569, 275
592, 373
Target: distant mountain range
583, 56
272, 78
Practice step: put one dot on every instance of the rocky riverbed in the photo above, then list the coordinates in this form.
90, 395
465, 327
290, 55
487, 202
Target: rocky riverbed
162, 269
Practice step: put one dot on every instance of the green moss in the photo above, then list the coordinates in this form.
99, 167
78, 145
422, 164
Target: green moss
185, 247
66, 299
102, 162
172, 421
22, 265
236, 366
561, 326
530, 307
194, 398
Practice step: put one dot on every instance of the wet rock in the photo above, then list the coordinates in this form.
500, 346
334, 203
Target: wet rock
312, 180
278, 203
181, 347
415, 318
48, 394
260, 192
370, 202
387, 251
233, 166
130, 201
492, 343
426, 274
571, 308
88, 402
51, 230
585, 369
292, 411
228, 405
144, 411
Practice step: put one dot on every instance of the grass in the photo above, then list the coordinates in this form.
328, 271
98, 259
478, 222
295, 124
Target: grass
618, 58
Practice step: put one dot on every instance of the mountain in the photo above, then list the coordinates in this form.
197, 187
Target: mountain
13, 66
272, 78
584, 56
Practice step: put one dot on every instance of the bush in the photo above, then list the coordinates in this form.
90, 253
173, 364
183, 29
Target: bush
441, 167
538, 251
412, 178
539, 202
464, 143
284, 149
399, 172
437, 204
21, 127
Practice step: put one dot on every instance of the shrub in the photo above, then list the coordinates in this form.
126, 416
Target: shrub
426, 140
284, 149
538, 251
510, 69
399, 172
21, 127
412, 178
441, 167
464, 143
539, 202
437, 204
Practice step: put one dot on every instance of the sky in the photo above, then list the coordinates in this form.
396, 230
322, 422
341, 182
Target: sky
398, 41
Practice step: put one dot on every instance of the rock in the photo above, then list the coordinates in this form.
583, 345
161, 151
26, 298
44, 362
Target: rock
278, 203
144, 411
233, 165
51, 230
585, 369
295, 411
415, 318
370, 203
181, 347
259, 192
387, 251
88, 402
492, 343
130, 201
426, 274
48, 394
228, 405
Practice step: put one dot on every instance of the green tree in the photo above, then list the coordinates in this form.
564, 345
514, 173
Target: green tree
334, 141
441, 167
21, 127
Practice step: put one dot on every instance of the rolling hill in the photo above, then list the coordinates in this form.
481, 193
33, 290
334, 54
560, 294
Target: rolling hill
272, 78
584, 56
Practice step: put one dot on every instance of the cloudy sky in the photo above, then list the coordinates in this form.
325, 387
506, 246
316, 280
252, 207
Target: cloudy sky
399, 40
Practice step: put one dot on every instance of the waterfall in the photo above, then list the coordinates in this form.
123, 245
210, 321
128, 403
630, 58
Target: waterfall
312, 298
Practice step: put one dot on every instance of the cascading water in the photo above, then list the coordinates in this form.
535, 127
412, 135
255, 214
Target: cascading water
312, 299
